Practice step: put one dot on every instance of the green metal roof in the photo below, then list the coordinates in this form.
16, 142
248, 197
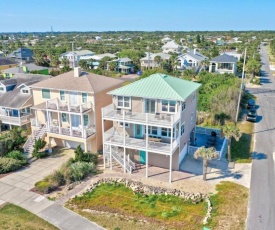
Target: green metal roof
160, 86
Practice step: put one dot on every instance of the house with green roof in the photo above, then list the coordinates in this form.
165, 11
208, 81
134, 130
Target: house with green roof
151, 122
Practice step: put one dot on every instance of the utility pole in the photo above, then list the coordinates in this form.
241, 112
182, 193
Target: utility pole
148, 48
241, 87
73, 54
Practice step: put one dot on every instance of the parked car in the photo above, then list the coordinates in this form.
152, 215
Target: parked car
251, 115
251, 104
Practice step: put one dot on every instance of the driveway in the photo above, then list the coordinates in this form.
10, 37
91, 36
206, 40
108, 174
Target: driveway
26, 177
14, 188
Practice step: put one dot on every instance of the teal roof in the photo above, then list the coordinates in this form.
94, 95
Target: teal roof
159, 86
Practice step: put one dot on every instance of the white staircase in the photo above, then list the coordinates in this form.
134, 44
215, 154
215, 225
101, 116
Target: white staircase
118, 156
28, 146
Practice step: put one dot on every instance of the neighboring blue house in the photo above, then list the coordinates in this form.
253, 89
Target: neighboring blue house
21, 54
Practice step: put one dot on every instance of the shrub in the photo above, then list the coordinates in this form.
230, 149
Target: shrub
79, 153
81, 169
57, 178
39, 154
17, 155
38, 145
255, 81
85, 157
44, 186
9, 165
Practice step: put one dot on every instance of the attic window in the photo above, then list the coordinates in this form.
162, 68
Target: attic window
25, 91
2, 89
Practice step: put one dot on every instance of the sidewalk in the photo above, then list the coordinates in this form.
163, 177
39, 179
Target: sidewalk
50, 211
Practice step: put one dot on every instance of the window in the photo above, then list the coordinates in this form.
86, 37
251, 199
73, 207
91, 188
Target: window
84, 97
46, 94
2, 89
123, 102
64, 117
127, 125
62, 95
25, 91
183, 106
28, 110
168, 106
194, 97
165, 132
150, 106
176, 130
192, 118
86, 119
182, 129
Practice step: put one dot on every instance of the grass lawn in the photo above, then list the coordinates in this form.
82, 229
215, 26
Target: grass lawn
229, 206
157, 210
13, 217
242, 150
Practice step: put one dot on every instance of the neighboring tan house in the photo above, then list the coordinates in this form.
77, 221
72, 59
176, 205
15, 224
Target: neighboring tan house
16, 99
21, 54
75, 56
223, 64
25, 68
154, 121
123, 65
149, 60
7, 63
68, 109
171, 46
191, 59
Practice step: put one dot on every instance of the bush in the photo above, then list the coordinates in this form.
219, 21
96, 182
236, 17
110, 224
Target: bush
81, 169
85, 157
38, 145
44, 186
17, 155
9, 165
39, 154
255, 81
57, 178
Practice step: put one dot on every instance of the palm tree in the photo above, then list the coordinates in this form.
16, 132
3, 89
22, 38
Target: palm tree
230, 131
204, 63
112, 66
206, 154
157, 59
253, 66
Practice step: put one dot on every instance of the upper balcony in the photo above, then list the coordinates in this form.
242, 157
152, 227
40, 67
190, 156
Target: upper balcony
56, 104
114, 137
18, 121
110, 113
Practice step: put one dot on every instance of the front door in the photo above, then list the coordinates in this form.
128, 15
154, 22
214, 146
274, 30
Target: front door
138, 131
150, 106
142, 157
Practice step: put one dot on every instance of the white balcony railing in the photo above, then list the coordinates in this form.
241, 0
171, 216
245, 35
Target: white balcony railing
56, 104
116, 138
73, 132
152, 119
22, 120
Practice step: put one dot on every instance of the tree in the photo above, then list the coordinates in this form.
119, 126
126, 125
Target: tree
206, 154
198, 38
79, 153
112, 66
204, 63
103, 63
38, 145
157, 59
83, 64
253, 66
230, 131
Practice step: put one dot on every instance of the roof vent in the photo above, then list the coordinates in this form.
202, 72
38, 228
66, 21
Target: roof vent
77, 72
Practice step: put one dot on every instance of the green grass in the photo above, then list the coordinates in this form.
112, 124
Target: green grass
242, 150
229, 206
168, 210
13, 217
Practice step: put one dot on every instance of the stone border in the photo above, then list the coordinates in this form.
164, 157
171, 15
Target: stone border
138, 187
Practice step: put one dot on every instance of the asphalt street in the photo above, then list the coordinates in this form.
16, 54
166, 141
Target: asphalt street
261, 208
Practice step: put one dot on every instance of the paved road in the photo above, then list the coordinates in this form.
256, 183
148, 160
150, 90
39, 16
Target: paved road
261, 209
14, 189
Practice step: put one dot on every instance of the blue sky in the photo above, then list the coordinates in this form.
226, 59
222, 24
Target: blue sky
147, 15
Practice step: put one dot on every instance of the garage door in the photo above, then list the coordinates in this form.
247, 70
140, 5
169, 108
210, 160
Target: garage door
73, 144
182, 153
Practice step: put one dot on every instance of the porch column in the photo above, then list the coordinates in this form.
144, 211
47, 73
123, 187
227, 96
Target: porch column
71, 131
124, 142
82, 124
103, 141
111, 163
85, 147
36, 118
170, 169
146, 158
59, 123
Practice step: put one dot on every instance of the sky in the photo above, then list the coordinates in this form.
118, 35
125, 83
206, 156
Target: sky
136, 15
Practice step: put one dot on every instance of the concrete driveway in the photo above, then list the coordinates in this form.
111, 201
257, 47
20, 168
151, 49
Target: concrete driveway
26, 177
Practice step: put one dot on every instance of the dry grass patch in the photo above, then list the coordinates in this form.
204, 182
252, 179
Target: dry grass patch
169, 211
13, 217
229, 206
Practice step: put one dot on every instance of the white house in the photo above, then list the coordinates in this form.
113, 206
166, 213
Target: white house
171, 46
149, 60
223, 64
98, 38
191, 59
233, 53
76, 56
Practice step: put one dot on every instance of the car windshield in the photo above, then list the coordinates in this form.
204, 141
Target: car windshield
252, 113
